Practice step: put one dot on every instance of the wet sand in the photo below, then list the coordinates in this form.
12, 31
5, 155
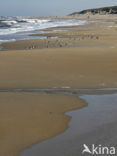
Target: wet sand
27, 118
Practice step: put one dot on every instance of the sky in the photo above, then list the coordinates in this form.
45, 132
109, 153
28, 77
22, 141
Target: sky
49, 7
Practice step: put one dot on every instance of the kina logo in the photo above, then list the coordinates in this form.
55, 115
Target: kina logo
97, 150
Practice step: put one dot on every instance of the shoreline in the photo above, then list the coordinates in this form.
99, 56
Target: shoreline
100, 28
72, 140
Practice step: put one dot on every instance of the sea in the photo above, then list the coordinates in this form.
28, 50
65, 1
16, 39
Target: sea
21, 28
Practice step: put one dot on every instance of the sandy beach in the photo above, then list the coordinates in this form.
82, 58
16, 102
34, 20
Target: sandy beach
78, 57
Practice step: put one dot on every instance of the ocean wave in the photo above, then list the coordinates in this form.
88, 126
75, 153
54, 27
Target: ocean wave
10, 26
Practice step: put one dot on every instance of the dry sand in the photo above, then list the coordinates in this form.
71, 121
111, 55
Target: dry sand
84, 57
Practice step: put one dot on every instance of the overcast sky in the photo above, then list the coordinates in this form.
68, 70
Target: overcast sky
49, 7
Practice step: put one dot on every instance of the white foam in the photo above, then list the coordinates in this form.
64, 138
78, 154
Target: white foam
11, 40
